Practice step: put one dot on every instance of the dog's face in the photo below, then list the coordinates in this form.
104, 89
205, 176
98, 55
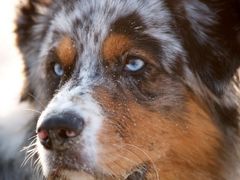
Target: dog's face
121, 89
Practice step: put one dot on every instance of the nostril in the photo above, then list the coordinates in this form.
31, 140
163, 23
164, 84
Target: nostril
71, 134
63, 133
42, 134
44, 138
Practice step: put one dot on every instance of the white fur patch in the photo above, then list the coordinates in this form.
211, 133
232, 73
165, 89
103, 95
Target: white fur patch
84, 106
43, 158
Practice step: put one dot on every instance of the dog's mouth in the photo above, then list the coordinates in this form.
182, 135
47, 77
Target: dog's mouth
67, 172
70, 175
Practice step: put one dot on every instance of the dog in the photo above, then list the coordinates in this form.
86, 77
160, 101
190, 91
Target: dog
133, 89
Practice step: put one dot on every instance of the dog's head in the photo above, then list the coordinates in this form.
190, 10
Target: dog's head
131, 89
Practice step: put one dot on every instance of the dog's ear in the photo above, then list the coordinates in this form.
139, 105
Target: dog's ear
238, 10
214, 55
211, 37
31, 22
219, 69
31, 26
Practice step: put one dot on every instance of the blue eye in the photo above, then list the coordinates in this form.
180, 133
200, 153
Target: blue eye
134, 65
58, 70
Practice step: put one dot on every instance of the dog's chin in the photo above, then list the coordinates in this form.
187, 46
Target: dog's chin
68, 171
82, 175
71, 175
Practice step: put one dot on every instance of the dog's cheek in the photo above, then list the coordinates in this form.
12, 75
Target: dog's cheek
133, 135
170, 142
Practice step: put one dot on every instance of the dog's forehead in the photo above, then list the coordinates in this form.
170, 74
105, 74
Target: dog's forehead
91, 21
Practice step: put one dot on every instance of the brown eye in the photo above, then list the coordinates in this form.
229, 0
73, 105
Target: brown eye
58, 70
134, 64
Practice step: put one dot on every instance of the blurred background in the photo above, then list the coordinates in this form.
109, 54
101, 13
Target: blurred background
10, 60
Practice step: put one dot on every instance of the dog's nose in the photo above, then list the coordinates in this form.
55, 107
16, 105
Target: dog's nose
60, 127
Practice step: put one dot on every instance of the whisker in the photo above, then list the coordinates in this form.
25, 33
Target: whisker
30, 150
32, 143
27, 158
33, 137
38, 168
154, 166
115, 161
32, 110
36, 161
36, 100
129, 160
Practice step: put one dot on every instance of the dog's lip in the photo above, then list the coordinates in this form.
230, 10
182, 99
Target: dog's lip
56, 169
56, 173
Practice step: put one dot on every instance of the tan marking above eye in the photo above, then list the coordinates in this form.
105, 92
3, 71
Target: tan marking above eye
115, 46
66, 51
46, 2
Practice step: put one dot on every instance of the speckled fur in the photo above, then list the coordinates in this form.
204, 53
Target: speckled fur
199, 53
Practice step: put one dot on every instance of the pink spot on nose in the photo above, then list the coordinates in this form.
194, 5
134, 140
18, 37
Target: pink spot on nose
43, 134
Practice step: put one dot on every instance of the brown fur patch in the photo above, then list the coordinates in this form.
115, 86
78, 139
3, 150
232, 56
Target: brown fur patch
115, 46
45, 2
66, 51
184, 145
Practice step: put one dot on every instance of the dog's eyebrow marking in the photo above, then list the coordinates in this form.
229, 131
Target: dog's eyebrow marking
66, 51
46, 2
115, 45
123, 32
